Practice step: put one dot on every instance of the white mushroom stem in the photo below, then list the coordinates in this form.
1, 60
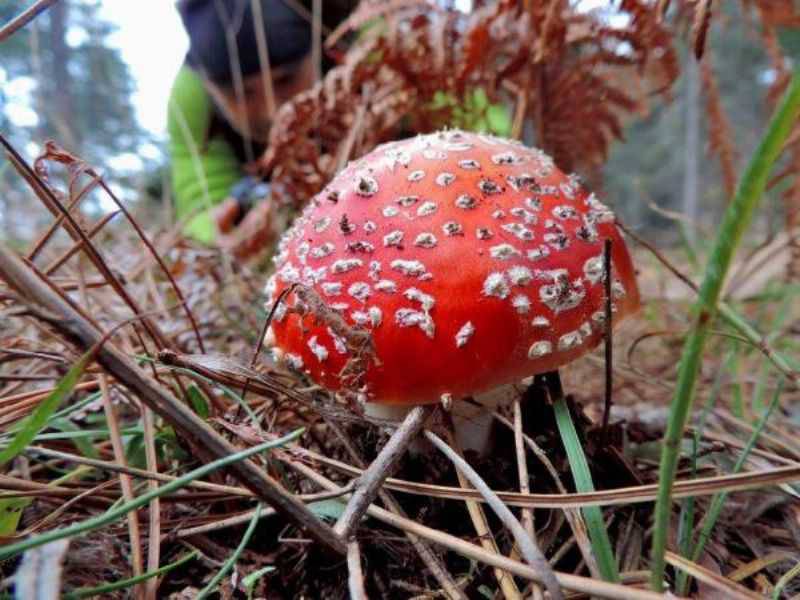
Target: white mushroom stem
472, 420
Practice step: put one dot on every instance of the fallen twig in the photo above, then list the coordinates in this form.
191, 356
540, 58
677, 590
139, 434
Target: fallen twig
527, 545
384, 464
24, 18
355, 579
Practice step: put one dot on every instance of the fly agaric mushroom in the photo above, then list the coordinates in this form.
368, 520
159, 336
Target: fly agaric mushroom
471, 261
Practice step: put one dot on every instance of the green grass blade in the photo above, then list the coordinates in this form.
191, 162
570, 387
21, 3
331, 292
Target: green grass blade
10, 514
601, 544
82, 433
83, 445
718, 500
198, 400
77, 405
737, 399
737, 217
39, 418
688, 247
225, 389
686, 518
776, 325
785, 579
732, 318
251, 580
121, 510
130, 582
212, 585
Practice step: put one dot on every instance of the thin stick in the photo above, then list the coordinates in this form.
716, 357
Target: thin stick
47, 196
260, 343
576, 583
522, 466
118, 511
124, 481
56, 264
316, 39
232, 23
355, 579
154, 510
346, 149
122, 468
686, 488
725, 311
520, 110
506, 581
785, 579
58, 222
263, 57
245, 517
530, 551
76, 327
24, 18
607, 342
573, 515
729, 588
38, 395
383, 466
157, 257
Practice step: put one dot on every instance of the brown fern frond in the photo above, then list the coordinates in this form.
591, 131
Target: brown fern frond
720, 131
773, 15
778, 13
416, 69
662, 8
700, 26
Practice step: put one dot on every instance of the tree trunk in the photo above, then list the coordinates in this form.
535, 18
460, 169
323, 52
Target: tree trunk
62, 105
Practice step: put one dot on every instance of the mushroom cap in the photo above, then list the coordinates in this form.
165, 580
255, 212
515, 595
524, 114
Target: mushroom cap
471, 261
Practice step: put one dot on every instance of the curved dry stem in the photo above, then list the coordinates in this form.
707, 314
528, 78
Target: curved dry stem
533, 555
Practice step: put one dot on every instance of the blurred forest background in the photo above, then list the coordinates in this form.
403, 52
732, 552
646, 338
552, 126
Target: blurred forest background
78, 90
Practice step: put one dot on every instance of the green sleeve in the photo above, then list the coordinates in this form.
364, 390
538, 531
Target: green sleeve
203, 170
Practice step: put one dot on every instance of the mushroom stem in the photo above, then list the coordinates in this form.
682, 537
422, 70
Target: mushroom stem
472, 419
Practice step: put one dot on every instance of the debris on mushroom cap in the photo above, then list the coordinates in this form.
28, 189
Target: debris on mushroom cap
471, 263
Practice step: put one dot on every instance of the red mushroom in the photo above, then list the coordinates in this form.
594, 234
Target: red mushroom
471, 261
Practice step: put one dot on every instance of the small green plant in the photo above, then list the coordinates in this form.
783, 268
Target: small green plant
598, 535
736, 220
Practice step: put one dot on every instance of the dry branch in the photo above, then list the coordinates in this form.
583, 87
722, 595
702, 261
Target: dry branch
24, 18
382, 467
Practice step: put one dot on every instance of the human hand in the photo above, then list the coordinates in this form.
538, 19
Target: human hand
244, 221
251, 236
